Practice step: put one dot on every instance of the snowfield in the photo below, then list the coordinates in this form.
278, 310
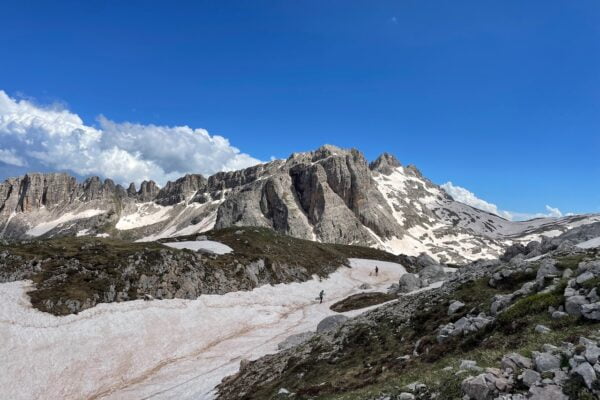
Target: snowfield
167, 349
589, 244
209, 245
44, 227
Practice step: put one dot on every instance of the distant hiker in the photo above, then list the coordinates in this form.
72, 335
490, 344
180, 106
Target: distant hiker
376, 270
321, 296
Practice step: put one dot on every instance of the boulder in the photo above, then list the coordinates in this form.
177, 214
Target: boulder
477, 388
516, 361
469, 365
591, 311
573, 305
549, 392
455, 306
546, 362
586, 371
547, 269
542, 329
530, 377
433, 273
425, 260
409, 283
513, 250
331, 322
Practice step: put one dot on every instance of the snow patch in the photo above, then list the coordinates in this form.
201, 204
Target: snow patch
146, 214
163, 349
589, 244
209, 245
44, 227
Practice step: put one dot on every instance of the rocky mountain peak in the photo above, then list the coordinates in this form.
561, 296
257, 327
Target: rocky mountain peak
385, 164
183, 189
148, 191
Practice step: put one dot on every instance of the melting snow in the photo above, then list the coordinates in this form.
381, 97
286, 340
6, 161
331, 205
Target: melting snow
589, 244
163, 349
146, 214
44, 227
210, 245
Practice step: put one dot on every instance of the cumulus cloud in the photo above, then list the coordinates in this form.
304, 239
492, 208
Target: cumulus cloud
58, 139
9, 156
467, 197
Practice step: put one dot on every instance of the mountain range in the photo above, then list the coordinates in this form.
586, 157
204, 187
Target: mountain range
329, 195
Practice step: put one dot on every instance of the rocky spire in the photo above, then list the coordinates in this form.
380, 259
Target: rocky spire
385, 164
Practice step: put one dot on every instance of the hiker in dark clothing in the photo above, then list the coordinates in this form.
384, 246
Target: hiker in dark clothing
321, 296
376, 270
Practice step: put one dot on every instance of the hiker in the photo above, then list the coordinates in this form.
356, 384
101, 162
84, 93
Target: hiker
321, 296
376, 270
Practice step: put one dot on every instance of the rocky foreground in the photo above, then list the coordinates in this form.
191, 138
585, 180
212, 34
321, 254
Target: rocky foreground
524, 327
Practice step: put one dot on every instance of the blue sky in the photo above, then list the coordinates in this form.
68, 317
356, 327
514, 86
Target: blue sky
501, 98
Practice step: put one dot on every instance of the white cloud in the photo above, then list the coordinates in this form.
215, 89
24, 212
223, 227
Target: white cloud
9, 156
467, 197
58, 139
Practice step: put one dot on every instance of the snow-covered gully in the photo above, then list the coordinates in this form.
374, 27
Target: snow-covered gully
168, 349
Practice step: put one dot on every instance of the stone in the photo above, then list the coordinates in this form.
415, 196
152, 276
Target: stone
433, 273
409, 283
500, 302
567, 273
530, 377
406, 396
586, 371
549, 392
547, 268
586, 276
455, 306
559, 314
542, 329
573, 305
477, 388
330, 323
591, 311
469, 365
425, 260
546, 362
516, 361
592, 353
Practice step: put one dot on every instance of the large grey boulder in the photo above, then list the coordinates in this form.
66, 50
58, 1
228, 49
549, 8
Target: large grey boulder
546, 362
547, 269
433, 273
455, 306
573, 305
516, 361
549, 392
530, 377
587, 373
408, 283
331, 323
477, 388
425, 260
591, 311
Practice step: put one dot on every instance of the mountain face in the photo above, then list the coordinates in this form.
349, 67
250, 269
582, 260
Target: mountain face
329, 195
